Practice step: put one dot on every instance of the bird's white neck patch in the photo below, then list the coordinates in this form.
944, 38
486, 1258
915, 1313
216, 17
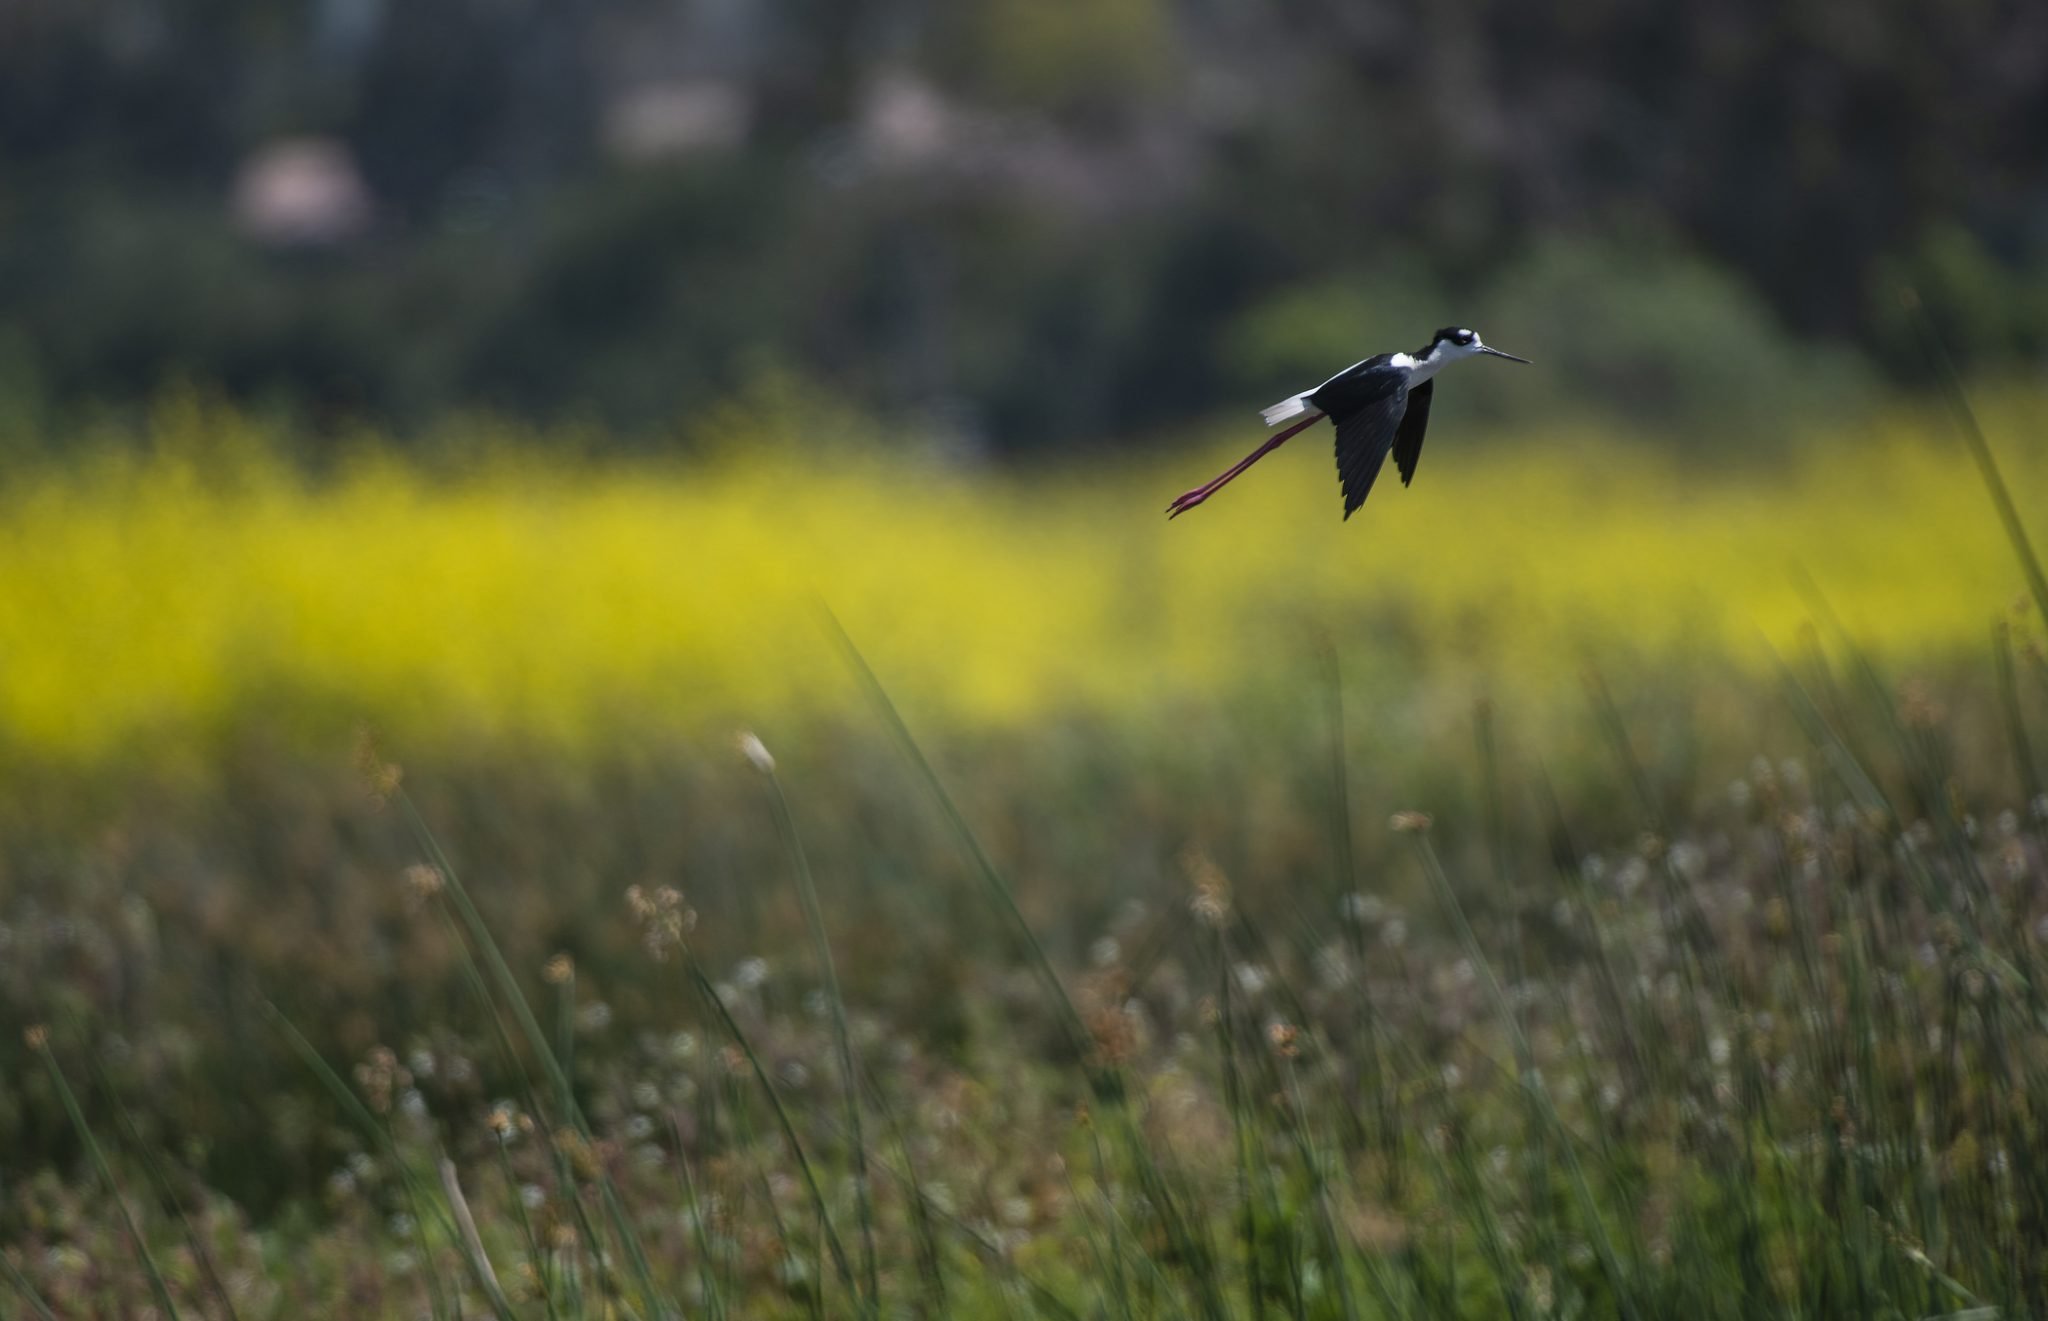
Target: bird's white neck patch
1441, 355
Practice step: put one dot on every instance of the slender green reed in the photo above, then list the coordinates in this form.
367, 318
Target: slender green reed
25, 1289
849, 1077
1595, 1225
709, 995
930, 1264
509, 991
707, 1272
2025, 769
379, 1134
39, 1041
202, 1256
1980, 449
1078, 1037
1103, 1078
1242, 1146
565, 1175
470, 1242
814, 1283
537, 1259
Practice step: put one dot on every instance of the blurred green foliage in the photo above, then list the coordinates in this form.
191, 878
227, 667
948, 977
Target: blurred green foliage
1034, 223
1640, 337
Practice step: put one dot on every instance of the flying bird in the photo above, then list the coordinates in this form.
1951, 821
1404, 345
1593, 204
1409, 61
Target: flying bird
1379, 405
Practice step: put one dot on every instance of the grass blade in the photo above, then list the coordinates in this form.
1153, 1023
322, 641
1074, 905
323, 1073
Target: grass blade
1980, 450
814, 921
472, 1243
38, 1039
25, 1289
509, 991
709, 994
1070, 1018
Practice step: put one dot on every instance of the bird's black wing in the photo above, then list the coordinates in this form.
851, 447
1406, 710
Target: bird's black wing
1363, 439
1408, 440
1358, 385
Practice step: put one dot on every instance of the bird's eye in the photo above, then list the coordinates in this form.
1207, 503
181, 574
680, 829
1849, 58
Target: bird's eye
1466, 337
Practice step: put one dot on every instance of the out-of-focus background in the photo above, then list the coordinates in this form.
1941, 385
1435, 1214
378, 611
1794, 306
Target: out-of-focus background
1006, 228
562, 353
464, 415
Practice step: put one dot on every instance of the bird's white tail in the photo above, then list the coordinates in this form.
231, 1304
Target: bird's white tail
1285, 409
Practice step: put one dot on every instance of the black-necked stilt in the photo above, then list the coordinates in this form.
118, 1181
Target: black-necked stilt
1380, 404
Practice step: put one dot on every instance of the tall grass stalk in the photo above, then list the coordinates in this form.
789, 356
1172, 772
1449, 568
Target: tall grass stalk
565, 1030
1315, 1167
25, 1289
509, 990
39, 1040
202, 1256
1049, 1302
930, 1265
2025, 769
1589, 1210
1119, 1287
1242, 1147
565, 1174
379, 1134
714, 1002
707, 1273
814, 1284
849, 1078
1104, 1078
537, 1258
471, 1242
1078, 1037
1980, 449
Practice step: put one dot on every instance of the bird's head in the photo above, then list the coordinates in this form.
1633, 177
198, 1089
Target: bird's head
1455, 342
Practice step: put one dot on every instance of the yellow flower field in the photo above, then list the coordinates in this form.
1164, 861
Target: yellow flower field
160, 594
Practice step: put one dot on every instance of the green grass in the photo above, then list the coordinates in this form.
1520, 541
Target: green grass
1723, 997
1646, 1026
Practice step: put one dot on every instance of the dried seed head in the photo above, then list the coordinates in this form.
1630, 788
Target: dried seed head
1211, 901
37, 1036
559, 970
380, 1075
1919, 707
1285, 1039
1115, 1036
755, 752
422, 882
1409, 823
379, 776
663, 917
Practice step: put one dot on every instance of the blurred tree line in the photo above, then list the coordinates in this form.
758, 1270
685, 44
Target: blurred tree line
1013, 222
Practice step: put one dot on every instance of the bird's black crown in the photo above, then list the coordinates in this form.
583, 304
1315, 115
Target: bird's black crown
1454, 334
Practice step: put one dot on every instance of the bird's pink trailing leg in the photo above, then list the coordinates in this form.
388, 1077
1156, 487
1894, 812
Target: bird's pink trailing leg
1187, 500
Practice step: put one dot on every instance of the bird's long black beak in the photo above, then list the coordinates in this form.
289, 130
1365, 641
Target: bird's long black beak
1509, 356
